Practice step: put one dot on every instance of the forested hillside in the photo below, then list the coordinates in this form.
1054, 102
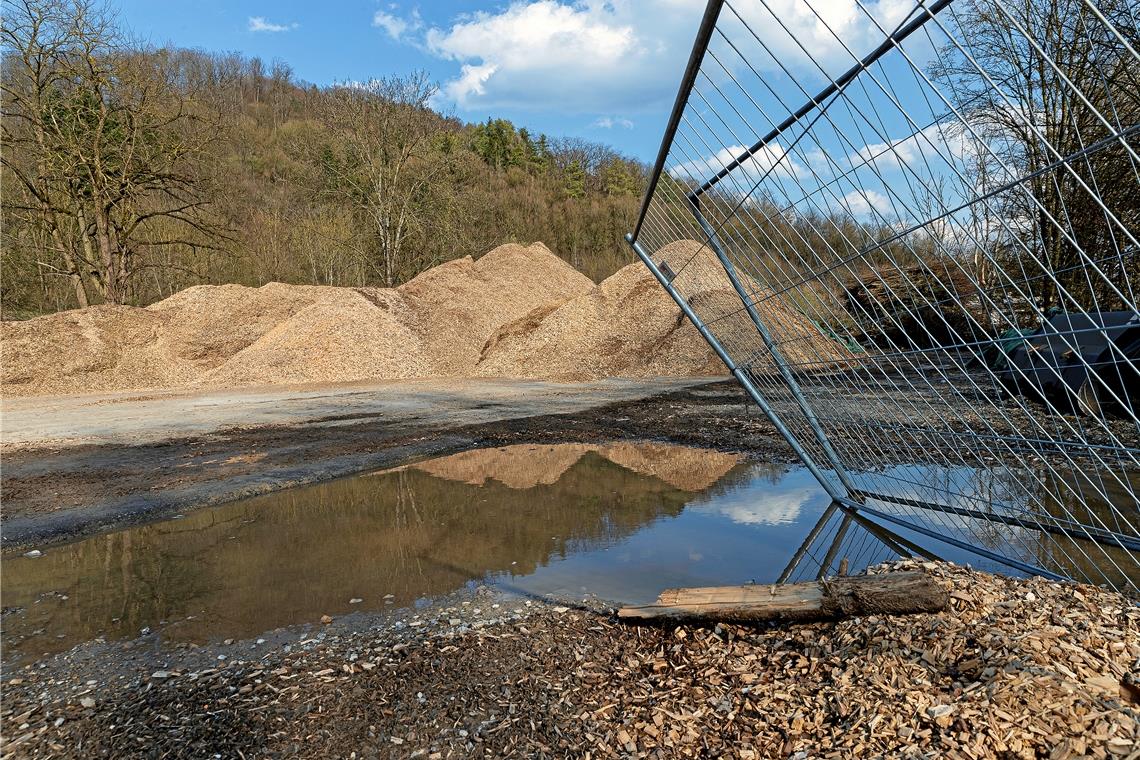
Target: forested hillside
132, 172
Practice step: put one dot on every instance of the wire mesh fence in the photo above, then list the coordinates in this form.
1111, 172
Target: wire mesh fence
911, 231
844, 542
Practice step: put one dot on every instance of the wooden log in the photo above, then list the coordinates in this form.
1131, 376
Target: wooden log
886, 594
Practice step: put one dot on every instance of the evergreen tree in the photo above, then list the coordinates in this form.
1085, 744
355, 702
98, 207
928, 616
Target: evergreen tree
574, 180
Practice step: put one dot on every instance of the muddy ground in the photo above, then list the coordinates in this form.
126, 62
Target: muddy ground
1017, 669
61, 482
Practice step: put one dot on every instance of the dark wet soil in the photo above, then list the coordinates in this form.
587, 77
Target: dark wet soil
53, 494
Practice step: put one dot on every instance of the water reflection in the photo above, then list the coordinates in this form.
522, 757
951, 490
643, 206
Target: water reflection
295, 555
622, 521
1076, 524
530, 465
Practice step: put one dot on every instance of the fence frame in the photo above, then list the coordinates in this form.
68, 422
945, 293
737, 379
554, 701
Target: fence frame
846, 494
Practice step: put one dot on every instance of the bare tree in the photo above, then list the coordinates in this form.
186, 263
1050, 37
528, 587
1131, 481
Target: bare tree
388, 160
1039, 79
102, 144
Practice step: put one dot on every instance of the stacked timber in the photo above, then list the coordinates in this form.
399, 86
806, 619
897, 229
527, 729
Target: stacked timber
918, 304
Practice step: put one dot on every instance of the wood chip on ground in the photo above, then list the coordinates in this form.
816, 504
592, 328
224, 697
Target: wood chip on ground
1016, 669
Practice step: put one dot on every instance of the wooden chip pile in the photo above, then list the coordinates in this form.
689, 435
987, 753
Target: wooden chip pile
1018, 669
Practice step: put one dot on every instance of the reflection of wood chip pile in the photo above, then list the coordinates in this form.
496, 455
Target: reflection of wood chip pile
515, 312
528, 465
1018, 669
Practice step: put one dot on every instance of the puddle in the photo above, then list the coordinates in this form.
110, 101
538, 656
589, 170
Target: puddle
621, 521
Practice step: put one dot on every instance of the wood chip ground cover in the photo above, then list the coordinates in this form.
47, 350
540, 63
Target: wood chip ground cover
1018, 669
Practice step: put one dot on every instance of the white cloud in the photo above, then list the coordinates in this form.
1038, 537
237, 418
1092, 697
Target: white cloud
539, 53
262, 24
816, 24
863, 202
609, 122
395, 26
473, 78
772, 161
603, 56
938, 146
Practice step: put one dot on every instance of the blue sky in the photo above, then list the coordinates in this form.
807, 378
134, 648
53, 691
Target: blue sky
608, 70
590, 69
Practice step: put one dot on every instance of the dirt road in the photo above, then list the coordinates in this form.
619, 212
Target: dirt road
83, 464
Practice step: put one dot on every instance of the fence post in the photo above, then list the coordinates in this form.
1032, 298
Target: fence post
777, 356
739, 374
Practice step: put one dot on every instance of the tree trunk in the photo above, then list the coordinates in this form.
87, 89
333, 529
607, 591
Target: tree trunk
107, 258
886, 594
73, 272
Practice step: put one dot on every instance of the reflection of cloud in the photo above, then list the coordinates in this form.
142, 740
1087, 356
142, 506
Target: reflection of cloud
784, 509
767, 507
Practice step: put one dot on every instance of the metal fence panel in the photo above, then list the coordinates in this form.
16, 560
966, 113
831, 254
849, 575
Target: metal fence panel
911, 232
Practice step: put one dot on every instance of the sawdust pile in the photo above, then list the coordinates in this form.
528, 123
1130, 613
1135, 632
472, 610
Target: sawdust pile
102, 348
526, 466
461, 304
515, 312
628, 325
347, 335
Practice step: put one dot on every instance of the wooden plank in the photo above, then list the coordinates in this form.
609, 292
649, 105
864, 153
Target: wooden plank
835, 599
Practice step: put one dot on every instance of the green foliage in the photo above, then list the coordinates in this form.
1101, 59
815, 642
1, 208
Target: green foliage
503, 147
574, 180
292, 192
622, 178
